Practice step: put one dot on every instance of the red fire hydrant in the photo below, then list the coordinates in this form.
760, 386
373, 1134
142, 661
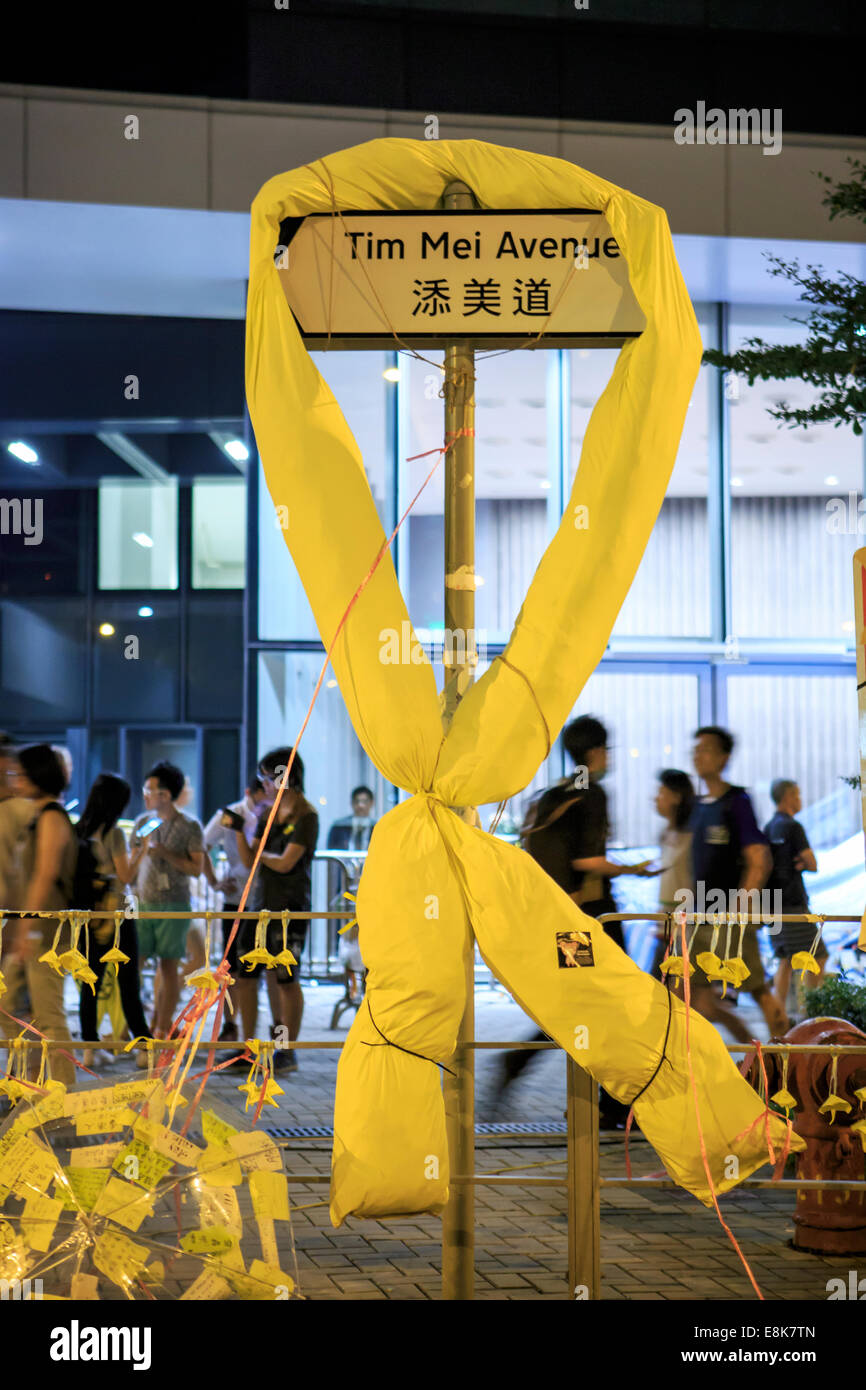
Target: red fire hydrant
831, 1222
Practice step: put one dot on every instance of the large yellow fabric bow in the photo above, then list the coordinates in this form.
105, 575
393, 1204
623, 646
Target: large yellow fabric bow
431, 881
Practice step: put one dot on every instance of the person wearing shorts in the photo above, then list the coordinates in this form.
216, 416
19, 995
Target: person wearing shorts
283, 882
792, 853
168, 857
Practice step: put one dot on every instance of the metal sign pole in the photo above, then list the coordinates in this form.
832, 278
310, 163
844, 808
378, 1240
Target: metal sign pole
458, 1218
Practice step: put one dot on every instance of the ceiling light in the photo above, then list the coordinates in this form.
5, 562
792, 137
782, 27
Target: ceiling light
237, 450
330, 684
736, 482
391, 374
848, 625
106, 630
544, 483
145, 611
635, 752
22, 451
831, 480
143, 539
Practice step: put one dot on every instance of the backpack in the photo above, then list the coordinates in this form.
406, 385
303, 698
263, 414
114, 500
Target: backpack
89, 883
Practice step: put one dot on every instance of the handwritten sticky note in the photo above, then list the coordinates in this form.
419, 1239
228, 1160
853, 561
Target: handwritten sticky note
95, 1156
80, 1102
210, 1240
270, 1194
218, 1206
268, 1240
86, 1184
108, 1120
165, 1141
147, 1097
49, 1107
138, 1163
256, 1150
36, 1167
208, 1287
218, 1165
38, 1220
215, 1130
123, 1203
119, 1258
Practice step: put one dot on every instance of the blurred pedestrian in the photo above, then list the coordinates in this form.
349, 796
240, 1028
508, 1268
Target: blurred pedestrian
674, 801
48, 854
792, 855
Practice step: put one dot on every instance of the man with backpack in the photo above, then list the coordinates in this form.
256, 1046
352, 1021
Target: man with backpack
566, 833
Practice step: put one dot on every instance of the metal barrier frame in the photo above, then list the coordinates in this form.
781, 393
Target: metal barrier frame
583, 1181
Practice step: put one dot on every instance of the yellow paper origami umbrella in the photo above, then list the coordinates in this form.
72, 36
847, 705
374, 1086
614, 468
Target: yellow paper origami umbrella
389, 1114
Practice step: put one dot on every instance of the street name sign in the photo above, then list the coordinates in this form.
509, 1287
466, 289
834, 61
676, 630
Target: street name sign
487, 278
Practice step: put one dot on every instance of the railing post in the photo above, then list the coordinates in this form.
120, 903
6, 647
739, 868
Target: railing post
584, 1217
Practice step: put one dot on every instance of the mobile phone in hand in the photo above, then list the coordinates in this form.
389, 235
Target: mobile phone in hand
231, 820
147, 828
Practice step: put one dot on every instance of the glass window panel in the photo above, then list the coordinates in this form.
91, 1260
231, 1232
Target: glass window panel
215, 673
136, 663
668, 598
650, 718
803, 727
138, 535
514, 476
42, 543
793, 526
361, 391
42, 661
219, 533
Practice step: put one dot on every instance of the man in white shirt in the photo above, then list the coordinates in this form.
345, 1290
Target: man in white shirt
220, 833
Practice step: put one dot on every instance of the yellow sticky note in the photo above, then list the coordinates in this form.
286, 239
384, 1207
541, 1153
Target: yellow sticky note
210, 1240
108, 1120
270, 1194
138, 1163
119, 1258
218, 1165
256, 1150
215, 1130
207, 1288
80, 1102
96, 1156
123, 1203
37, 1168
268, 1240
279, 1282
261, 1282
49, 1107
86, 1185
218, 1206
146, 1097
38, 1220
84, 1288
167, 1142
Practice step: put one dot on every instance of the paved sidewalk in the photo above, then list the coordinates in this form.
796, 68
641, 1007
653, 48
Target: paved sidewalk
656, 1244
